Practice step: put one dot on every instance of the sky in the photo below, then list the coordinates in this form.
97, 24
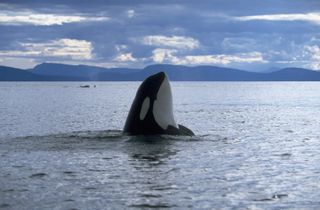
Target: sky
255, 35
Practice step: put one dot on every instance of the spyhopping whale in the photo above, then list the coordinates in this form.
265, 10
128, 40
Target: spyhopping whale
151, 112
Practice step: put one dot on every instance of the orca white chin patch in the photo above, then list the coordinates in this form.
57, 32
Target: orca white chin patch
144, 108
162, 106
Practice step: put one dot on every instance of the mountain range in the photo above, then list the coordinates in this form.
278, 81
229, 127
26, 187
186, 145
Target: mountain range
63, 72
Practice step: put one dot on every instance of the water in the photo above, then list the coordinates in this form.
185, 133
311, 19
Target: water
257, 147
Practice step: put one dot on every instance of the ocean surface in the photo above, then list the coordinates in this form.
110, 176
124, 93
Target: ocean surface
257, 146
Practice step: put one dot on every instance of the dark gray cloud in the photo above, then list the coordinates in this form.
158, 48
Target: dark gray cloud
254, 35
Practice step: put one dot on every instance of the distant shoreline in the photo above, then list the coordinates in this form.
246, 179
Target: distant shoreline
50, 72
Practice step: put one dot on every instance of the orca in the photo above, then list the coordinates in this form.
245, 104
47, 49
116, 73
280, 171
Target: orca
151, 112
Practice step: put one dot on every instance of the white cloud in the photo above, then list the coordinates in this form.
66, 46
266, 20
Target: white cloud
62, 48
314, 51
239, 43
120, 47
130, 13
306, 55
31, 18
17, 53
177, 42
22, 63
126, 57
313, 54
308, 17
163, 55
222, 59
168, 56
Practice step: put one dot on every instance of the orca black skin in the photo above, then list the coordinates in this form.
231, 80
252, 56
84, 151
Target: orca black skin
151, 112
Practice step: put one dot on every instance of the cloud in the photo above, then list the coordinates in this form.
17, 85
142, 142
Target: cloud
239, 44
136, 34
221, 59
120, 47
305, 55
31, 18
169, 56
312, 53
62, 48
16, 62
130, 13
18, 53
178, 42
126, 57
308, 17
163, 55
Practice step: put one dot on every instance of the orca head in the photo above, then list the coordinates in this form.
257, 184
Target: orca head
151, 111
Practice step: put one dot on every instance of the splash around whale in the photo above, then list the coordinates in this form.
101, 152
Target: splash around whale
151, 112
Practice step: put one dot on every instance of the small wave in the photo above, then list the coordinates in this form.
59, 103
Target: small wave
80, 135
38, 175
117, 134
4, 205
155, 138
272, 198
147, 205
95, 140
103, 134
